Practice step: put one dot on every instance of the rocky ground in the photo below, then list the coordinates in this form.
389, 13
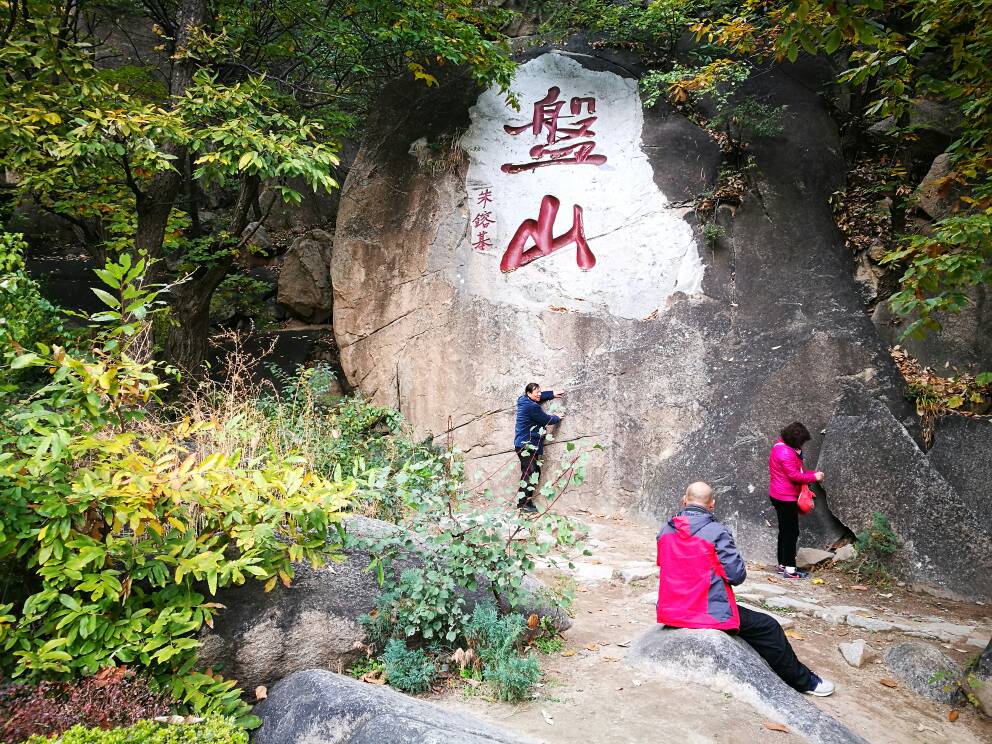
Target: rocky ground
588, 693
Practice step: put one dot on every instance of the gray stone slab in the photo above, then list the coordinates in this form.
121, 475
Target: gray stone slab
721, 662
873, 624
926, 671
785, 622
792, 603
320, 707
638, 572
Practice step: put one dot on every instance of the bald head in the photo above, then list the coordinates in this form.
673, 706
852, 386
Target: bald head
700, 494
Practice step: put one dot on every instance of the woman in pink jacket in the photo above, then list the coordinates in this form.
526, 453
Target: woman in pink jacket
786, 479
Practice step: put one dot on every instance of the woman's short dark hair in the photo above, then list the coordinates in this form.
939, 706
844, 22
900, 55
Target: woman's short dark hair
795, 435
531, 387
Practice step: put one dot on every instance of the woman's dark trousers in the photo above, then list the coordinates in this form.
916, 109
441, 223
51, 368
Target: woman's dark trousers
788, 530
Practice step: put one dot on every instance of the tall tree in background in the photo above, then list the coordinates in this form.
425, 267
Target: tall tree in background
118, 116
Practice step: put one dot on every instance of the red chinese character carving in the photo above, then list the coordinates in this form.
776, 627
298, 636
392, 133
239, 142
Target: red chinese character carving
540, 230
546, 116
483, 219
482, 242
485, 197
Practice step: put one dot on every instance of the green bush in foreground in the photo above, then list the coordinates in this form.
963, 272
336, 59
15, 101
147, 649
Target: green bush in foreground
495, 638
407, 669
211, 731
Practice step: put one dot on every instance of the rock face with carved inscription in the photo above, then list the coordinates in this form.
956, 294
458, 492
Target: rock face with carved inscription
481, 246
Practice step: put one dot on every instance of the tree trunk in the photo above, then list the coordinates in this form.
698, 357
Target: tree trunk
186, 342
155, 202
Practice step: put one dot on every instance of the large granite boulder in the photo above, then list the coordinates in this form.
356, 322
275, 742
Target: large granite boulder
683, 360
873, 465
305, 277
726, 664
320, 707
926, 670
962, 452
264, 636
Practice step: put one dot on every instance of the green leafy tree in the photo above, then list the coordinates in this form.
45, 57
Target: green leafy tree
236, 97
897, 52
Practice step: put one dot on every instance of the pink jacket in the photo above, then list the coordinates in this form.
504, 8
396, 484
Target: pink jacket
785, 473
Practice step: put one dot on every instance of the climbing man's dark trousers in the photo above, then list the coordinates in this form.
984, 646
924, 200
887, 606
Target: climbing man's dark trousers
530, 465
763, 633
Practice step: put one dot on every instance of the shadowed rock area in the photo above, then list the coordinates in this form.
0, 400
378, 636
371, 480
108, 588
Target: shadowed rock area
726, 664
320, 707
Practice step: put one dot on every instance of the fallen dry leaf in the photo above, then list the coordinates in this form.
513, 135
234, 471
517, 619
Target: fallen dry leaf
817, 581
858, 587
889, 682
570, 652
261, 693
608, 658
592, 647
953, 716
795, 634
374, 677
773, 726
547, 719
582, 589
532, 621
557, 309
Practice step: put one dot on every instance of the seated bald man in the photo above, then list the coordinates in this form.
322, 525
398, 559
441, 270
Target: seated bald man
699, 564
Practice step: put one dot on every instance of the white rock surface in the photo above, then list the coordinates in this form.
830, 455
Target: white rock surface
638, 571
791, 603
837, 614
785, 622
806, 557
643, 247
845, 553
868, 623
591, 573
857, 653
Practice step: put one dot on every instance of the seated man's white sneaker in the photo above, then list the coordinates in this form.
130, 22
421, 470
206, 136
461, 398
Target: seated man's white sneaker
822, 688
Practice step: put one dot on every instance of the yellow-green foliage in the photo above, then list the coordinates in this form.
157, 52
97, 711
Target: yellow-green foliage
125, 527
212, 731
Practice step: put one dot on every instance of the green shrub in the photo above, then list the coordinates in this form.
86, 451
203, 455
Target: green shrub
495, 638
407, 669
513, 677
875, 547
211, 731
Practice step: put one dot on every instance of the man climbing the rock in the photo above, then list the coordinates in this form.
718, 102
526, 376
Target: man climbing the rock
528, 439
699, 564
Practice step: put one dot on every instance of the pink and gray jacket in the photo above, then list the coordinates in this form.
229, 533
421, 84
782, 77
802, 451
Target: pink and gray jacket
699, 563
785, 473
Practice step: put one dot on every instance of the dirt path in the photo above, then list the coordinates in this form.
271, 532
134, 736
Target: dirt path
588, 695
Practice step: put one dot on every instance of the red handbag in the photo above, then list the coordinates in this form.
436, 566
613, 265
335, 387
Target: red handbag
805, 500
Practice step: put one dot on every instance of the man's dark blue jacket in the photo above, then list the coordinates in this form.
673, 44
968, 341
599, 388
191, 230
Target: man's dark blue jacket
531, 419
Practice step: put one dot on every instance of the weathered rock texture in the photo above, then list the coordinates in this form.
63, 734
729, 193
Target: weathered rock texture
926, 671
263, 637
979, 682
726, 664
875, 466
305, 277
320, 707
697, 390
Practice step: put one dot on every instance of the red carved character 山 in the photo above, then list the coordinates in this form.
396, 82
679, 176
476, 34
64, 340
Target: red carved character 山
541, 231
